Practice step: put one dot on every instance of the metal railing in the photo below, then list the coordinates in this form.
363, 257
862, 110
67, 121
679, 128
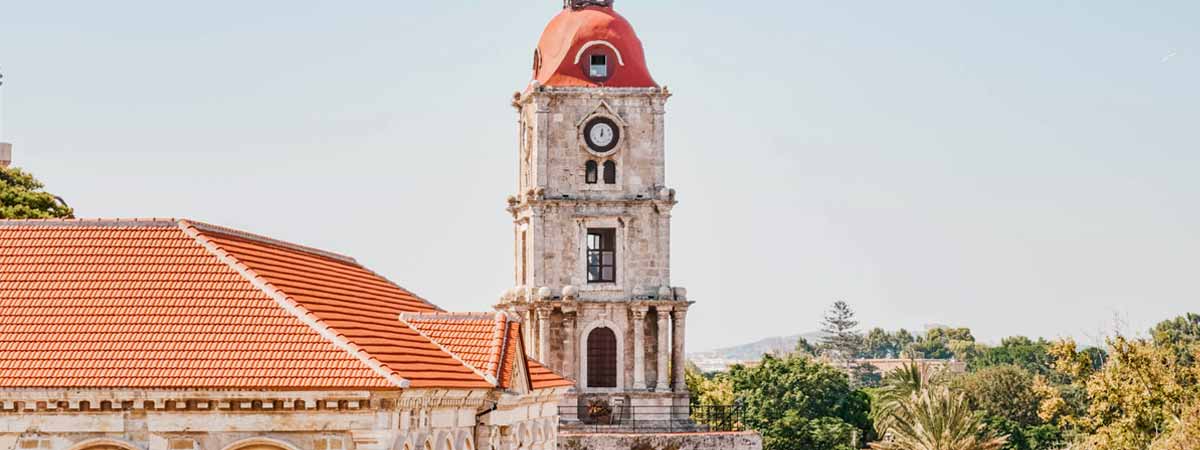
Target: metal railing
653, 419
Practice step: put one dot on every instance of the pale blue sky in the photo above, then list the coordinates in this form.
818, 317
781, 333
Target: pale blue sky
1017, 167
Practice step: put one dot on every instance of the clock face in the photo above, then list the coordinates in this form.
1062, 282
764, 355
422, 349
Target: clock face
601, 135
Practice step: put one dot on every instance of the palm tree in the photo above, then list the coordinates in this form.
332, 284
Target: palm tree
937, 419
898, 387
914, 410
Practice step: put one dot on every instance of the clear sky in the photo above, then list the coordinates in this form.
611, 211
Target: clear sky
1017, 167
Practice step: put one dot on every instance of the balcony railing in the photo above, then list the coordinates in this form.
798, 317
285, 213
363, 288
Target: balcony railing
653, 419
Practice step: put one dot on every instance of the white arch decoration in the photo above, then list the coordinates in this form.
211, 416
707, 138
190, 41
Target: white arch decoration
104, 442
620, 59
265, 441
583, 354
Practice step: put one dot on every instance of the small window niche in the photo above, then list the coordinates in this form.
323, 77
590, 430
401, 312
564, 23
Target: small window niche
598, 67
590, 172
610, 172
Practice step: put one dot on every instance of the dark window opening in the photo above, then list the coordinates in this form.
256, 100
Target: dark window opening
598, 69
590, 168
610, 172
602, 358
602, 255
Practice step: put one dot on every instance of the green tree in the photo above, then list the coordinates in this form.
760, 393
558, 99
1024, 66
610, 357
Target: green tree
941, 342
1136, 397
935, 418
842, 341
879, 344
799, 403
1008, 398
898, 387
708, 388
1002, 391
805, 348
1020, 351
22, 197
1181, 334
1184, 434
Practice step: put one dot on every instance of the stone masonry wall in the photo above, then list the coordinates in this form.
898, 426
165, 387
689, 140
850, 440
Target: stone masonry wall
675, 441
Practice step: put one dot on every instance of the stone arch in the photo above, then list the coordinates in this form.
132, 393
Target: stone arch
104, 444
585, 47
261, 443
583, 353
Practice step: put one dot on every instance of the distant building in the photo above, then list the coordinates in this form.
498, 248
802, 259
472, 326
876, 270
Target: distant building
5, 154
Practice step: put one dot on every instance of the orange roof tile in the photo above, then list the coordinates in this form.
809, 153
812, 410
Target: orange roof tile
165, 303
489, 343
543, 378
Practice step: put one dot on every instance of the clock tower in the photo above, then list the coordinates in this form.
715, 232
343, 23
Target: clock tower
592, 218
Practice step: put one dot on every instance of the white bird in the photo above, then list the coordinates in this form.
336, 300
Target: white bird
1169, 56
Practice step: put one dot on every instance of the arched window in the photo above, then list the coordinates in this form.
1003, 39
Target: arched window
610, 172
602, 358
591, 170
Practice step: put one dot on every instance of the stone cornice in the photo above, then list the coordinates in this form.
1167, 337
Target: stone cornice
537, 91
600, 206
21, 401
105, 400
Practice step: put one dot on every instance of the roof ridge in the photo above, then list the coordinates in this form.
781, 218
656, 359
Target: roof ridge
90, 222
500, 341
208, 227
487, 377
293, 307
444, 315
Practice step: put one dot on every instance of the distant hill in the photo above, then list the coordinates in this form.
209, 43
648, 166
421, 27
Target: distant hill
721, 358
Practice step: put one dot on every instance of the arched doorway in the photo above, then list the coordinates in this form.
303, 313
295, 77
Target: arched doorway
602, 358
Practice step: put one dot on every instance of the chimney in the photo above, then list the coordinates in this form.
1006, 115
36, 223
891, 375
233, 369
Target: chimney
5, 154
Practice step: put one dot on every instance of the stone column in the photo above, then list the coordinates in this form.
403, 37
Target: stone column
664, 325
522, 311
679, 362
543, 339
639, 347
569, 363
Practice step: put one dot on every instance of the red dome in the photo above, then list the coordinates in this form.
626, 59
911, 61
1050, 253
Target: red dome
576, 35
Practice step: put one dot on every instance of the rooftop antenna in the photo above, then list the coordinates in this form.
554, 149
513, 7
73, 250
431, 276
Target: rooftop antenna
5, 148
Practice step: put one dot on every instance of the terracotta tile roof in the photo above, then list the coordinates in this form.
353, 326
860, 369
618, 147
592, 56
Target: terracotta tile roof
489, 343
165, 303
543, 378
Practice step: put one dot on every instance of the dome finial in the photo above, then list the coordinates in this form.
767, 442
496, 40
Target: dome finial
580, 4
